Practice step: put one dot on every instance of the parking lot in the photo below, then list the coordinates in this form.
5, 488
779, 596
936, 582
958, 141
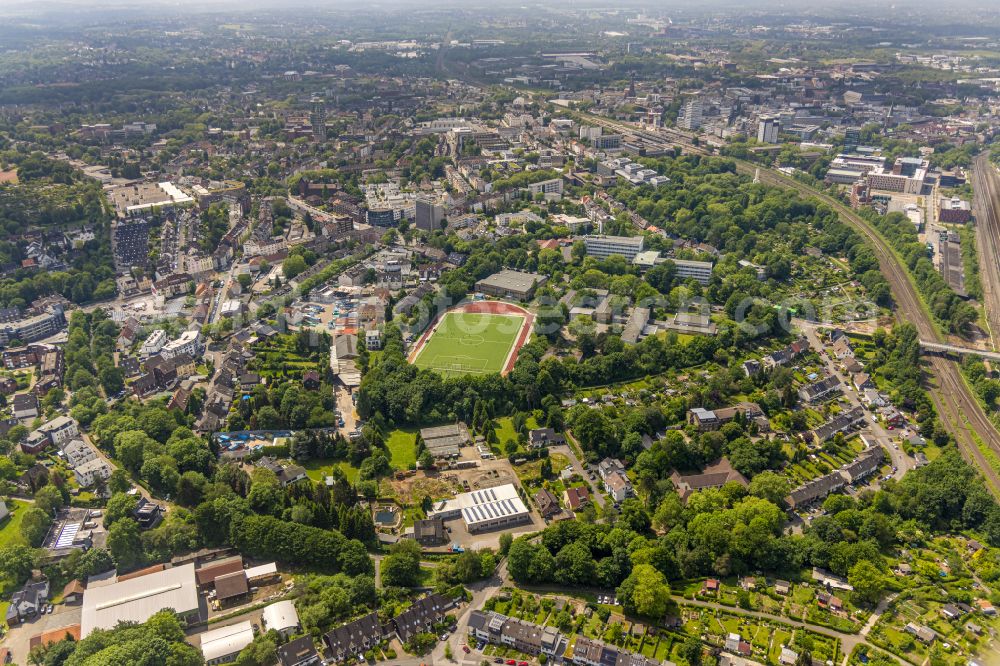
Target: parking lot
18, 639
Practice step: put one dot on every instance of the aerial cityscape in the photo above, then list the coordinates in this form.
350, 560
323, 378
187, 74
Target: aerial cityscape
432, 333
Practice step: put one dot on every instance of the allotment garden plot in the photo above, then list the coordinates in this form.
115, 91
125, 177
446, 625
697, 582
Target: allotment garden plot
474, 340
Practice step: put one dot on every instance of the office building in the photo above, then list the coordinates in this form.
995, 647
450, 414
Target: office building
603, 247
546, 187
607, 142
700, 271
767, 129
907, 176
852, 137
35, 327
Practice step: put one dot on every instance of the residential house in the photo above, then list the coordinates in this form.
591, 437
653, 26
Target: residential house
820, 389
548, 504
430, 531
814, 490
590, 652
840, 423
26, 603
147, 513
521, 635
618, 486
782, 587
616, 483
299, 652
92, 472
25, 406
923, 634
35, 442
842, 348
311, 380
713, 419
866, 464
862, 381
60, 430
736, 645
786, 355
715, 475
542, 437
421, 616
78, 452
575, 497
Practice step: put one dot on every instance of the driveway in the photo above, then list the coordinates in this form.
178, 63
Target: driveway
578, 467
481, 591
346, 408
18, 639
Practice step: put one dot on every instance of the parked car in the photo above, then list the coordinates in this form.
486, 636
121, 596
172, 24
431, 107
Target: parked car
465, 649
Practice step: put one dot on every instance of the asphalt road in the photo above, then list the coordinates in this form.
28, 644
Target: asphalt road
900, 460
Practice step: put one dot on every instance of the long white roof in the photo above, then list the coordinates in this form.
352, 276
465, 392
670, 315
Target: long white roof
226, 641
139, 598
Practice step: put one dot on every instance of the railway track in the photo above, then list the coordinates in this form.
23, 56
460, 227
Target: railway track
985, 200
959, 410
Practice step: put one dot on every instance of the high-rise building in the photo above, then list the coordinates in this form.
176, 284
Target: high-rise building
429, 214
852, 138
767, 129
690, 117
318, 119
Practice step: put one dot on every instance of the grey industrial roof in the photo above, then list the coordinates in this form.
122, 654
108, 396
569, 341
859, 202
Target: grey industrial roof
139, 598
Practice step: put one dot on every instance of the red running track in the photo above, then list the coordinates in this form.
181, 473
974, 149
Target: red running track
485, 307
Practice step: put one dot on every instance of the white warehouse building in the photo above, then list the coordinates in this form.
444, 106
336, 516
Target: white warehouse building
486, 509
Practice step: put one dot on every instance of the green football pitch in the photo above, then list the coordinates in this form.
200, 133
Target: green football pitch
465, 343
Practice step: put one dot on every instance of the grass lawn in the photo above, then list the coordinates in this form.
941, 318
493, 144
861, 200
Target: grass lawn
10, 528
317, 470
466, 343
401, 445
505, 428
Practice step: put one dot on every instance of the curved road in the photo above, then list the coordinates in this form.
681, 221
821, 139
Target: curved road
959, 410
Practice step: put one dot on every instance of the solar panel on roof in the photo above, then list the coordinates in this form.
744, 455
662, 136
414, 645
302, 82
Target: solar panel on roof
68, 535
